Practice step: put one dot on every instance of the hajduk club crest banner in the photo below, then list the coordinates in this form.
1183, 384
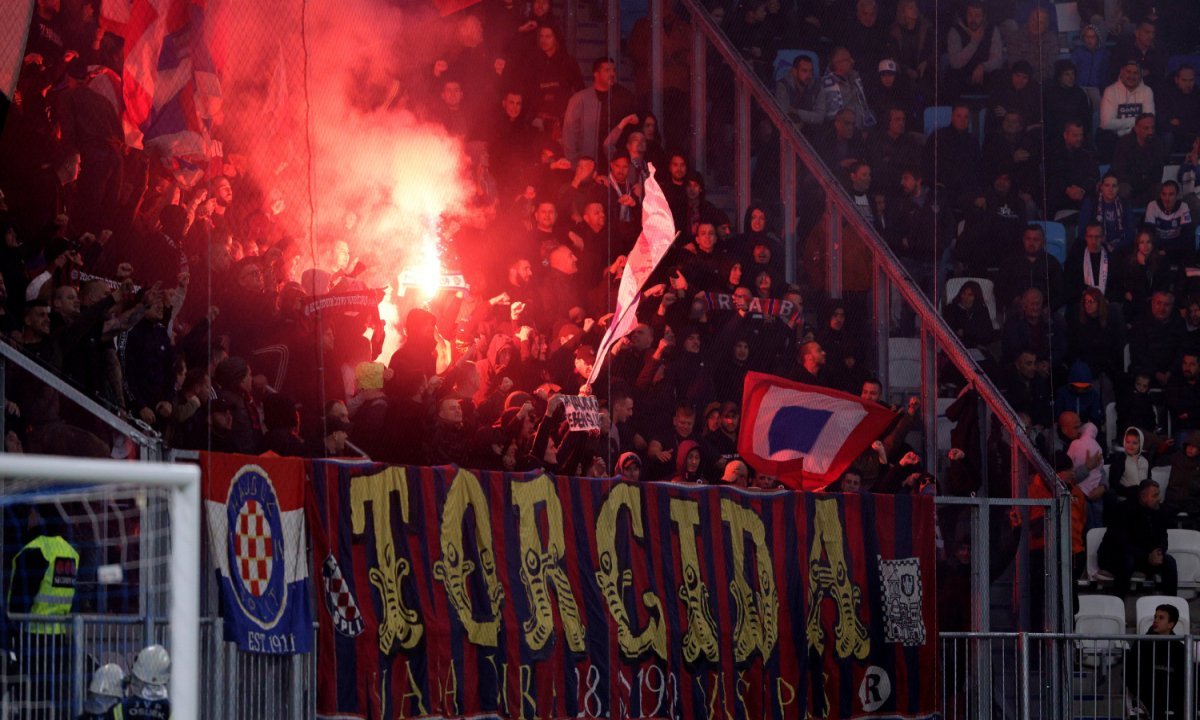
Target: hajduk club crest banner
445, 592
256, 530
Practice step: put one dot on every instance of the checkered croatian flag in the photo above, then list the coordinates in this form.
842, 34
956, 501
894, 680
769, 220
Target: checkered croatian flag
805, 435
256, 531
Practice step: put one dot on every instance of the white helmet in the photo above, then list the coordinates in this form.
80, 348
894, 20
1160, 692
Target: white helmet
152, 665
108, 680
105, 690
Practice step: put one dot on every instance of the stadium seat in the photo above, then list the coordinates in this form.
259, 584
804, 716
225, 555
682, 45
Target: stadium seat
1100, 615
1184, 546
1175, 61
937, 116
1067, 15
1094, 573
785, 58
1144, 612
1170, 172
944, 424
904, 365
1056, 239
953, 285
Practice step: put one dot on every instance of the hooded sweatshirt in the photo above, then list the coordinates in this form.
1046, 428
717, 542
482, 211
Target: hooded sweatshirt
1079, 450
1120, 106
1085, 403
1126, 472
681, 473
490, 397
624, 458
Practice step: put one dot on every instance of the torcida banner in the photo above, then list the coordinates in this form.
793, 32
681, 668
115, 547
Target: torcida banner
448, 592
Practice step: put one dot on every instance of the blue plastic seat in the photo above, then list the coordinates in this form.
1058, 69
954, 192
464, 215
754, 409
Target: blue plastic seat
785, 58
1056, 239
936, 117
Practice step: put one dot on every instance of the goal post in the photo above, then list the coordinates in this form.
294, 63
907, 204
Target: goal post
38, 477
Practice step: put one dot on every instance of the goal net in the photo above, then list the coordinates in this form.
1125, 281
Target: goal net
134, 529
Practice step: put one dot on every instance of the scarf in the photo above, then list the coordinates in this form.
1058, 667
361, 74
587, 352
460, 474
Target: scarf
782, 309
626, 213
838, 100
1112, 216
1089, 275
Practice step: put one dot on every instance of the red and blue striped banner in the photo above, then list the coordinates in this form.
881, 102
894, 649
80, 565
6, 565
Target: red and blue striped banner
447, 592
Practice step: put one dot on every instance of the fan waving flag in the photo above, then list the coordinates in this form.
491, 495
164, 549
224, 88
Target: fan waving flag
256, 530
171, 85
658, 232
805, 435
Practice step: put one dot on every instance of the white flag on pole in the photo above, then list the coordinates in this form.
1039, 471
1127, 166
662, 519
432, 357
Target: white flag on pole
658, 232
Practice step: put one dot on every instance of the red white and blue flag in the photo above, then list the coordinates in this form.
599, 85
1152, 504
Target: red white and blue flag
805, 435
257, 534
171, 89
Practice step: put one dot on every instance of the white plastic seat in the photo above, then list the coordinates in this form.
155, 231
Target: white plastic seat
1144, 611
1184, 546
1100, 615
1094, 573
953, 285
944, 425
904, 365
1067, 15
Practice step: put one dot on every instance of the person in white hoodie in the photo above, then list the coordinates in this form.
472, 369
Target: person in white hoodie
1093, 485
1125, 100
1127, 469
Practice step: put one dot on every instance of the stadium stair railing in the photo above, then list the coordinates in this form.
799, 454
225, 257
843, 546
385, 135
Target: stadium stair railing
892, 284
147, 441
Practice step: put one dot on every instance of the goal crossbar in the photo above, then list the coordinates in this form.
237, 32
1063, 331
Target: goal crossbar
183, 481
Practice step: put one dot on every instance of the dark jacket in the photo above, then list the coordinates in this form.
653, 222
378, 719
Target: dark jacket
1183, 402
1154, 344
1064, 168
1065, 104
1018, 273
1140, 166
1183, 488
1135, 530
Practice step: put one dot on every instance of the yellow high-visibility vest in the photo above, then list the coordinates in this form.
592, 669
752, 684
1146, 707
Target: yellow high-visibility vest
56, 591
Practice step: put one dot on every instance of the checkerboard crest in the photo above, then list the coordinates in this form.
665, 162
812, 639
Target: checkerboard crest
339, 601
255, 548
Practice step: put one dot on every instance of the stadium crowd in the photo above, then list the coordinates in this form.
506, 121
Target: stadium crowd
182, 306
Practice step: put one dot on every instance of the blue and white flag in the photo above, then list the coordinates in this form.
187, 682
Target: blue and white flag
803, 434
256, 530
